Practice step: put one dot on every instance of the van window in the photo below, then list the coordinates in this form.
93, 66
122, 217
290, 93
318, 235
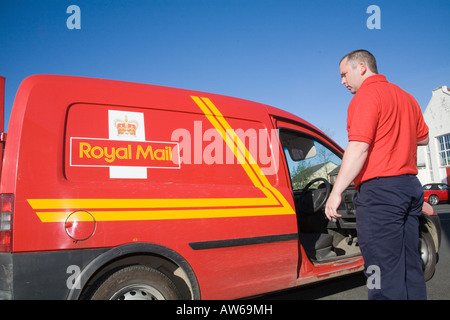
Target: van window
308, 159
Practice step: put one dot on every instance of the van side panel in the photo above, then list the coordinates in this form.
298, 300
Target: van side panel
99, 164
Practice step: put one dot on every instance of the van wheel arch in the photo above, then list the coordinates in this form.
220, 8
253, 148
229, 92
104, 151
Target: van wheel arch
168, 262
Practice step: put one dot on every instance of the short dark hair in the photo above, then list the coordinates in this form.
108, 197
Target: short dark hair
357, 56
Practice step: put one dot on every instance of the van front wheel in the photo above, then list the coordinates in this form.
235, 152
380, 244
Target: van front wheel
136, 282
427, 254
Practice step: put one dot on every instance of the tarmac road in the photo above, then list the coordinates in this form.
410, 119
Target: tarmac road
353, 287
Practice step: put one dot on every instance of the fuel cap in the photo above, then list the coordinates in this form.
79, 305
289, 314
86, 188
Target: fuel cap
80, 225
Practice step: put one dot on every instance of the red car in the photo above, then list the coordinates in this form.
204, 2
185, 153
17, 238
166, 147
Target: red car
436, 192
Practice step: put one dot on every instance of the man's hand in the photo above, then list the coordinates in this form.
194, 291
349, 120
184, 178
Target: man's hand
354, 158
332, 205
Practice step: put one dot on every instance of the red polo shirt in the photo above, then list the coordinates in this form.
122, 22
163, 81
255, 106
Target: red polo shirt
391, 122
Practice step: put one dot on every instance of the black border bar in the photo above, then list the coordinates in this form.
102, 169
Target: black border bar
215, 244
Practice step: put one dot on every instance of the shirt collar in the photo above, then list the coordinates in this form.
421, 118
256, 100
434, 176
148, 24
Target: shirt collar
373, 79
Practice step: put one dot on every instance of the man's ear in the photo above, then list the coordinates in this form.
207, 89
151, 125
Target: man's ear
362, 68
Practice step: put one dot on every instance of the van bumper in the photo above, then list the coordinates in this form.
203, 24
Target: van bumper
41, 275
6, 276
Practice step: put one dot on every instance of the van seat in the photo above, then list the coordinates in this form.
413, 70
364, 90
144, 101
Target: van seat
318, 246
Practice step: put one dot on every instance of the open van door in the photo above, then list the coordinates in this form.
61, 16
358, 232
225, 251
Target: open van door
2, 121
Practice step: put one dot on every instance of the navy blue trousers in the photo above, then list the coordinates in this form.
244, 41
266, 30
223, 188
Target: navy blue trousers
387, 223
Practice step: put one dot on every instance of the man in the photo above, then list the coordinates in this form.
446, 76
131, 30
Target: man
385, 125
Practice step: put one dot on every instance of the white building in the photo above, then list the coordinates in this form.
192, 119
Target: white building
433, 160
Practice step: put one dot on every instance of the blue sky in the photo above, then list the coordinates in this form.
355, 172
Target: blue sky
279, 52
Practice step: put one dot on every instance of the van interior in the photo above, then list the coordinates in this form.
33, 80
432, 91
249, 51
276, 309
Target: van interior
313, 168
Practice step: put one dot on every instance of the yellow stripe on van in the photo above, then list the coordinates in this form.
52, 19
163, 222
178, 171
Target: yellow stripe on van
49, 204
273, 202
250, 165
61, 216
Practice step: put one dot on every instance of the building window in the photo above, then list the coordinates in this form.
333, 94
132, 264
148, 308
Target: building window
444, 149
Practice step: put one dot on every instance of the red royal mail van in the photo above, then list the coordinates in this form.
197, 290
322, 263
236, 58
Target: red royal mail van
116, 190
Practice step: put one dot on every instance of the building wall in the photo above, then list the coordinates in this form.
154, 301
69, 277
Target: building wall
437, 117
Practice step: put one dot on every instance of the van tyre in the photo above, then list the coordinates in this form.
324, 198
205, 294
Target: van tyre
136, 282
427, 253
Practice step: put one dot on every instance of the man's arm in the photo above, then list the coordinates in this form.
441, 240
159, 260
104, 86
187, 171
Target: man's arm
355, 156
423, 142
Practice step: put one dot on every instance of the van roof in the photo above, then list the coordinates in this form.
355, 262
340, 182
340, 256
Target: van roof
73, 89
116, 92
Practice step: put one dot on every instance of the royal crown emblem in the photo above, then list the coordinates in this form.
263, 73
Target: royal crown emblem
125, 127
